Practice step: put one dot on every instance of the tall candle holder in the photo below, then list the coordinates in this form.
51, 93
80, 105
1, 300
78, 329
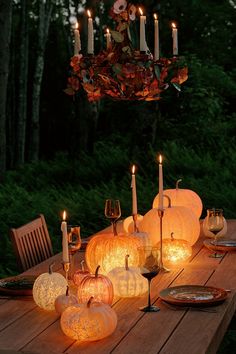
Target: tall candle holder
161, 266
66, 268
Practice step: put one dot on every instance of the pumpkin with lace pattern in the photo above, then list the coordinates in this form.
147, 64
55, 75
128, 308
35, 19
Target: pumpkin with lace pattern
177, 219
65, 300
47, 287
175, 250
128, 281
80, 274
182, 197
109, 251
88, 322
97, 285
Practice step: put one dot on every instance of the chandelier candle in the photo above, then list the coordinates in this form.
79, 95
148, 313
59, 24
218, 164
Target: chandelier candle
156, 38
160, 206
175, 39
90, 34
108, 37
134, 192
143, 45
65, 251
77, 46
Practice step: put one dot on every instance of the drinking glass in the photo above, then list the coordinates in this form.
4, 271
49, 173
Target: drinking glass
149, 267
215, 223
74, 244
113, 212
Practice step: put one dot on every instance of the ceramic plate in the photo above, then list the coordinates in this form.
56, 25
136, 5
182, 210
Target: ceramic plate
18, 285
193, 295
221, 245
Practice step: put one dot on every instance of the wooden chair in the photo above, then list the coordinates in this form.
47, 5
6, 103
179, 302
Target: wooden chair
32, 243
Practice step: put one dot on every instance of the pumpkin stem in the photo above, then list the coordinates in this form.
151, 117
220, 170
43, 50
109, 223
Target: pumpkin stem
127, 262
82, 265
89, 302
177, 183
96, 271
169, 200
67, 290
172, 236
50, 271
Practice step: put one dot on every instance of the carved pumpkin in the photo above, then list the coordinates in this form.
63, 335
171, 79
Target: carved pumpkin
182, 197
47, 287
178, 219
175, 250
109, 251
128, 281
64, 301
88, 322
80, 274
99, 286
208, 233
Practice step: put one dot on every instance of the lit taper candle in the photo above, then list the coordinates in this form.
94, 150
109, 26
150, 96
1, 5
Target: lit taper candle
108, 37
160, 206
77, 45
134, 192
156, 38
143, 45
65, 250
175, 39
90, 34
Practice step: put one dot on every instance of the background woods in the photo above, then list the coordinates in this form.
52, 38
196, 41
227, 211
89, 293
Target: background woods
60, 152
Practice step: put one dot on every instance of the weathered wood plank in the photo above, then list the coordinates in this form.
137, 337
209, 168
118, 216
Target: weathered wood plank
12, 310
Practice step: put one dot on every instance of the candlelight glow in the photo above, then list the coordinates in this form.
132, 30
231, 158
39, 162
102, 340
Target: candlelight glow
76, 25
108, 31
173, 25
64, 215
160, 159
155, 16
89, 13
141, 11
133, 169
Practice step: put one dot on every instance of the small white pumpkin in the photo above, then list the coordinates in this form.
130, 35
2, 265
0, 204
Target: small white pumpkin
128, 281
47, 287
65, 300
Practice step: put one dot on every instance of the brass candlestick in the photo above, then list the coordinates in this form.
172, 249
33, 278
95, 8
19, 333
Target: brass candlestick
162, 267
66, 267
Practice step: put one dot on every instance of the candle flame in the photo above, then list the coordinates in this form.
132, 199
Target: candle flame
173, 25
160, 159
64, 215
108, 31
133, 169
155, 17
141, 11
89, 13
76, 25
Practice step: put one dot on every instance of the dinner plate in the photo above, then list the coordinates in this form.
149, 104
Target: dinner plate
221, 245
17, 285
193, 295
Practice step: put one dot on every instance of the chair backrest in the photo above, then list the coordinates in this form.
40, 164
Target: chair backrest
32, 243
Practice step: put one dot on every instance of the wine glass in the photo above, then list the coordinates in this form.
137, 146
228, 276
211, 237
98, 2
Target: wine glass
149, 267
74, 242
215, 223
113, 212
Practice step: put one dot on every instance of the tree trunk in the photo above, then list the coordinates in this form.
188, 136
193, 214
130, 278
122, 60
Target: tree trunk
23, 79
45, 11
5, 36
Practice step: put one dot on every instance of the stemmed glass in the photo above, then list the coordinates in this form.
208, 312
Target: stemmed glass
74, 243
149, 267
215, 223
113, 212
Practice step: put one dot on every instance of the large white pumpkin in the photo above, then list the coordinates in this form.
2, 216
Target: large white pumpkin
177, 219
181, 197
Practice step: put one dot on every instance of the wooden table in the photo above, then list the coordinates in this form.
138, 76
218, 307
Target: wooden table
24, 327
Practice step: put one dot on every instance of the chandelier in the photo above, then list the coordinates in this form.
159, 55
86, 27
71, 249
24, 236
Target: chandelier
122, 72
